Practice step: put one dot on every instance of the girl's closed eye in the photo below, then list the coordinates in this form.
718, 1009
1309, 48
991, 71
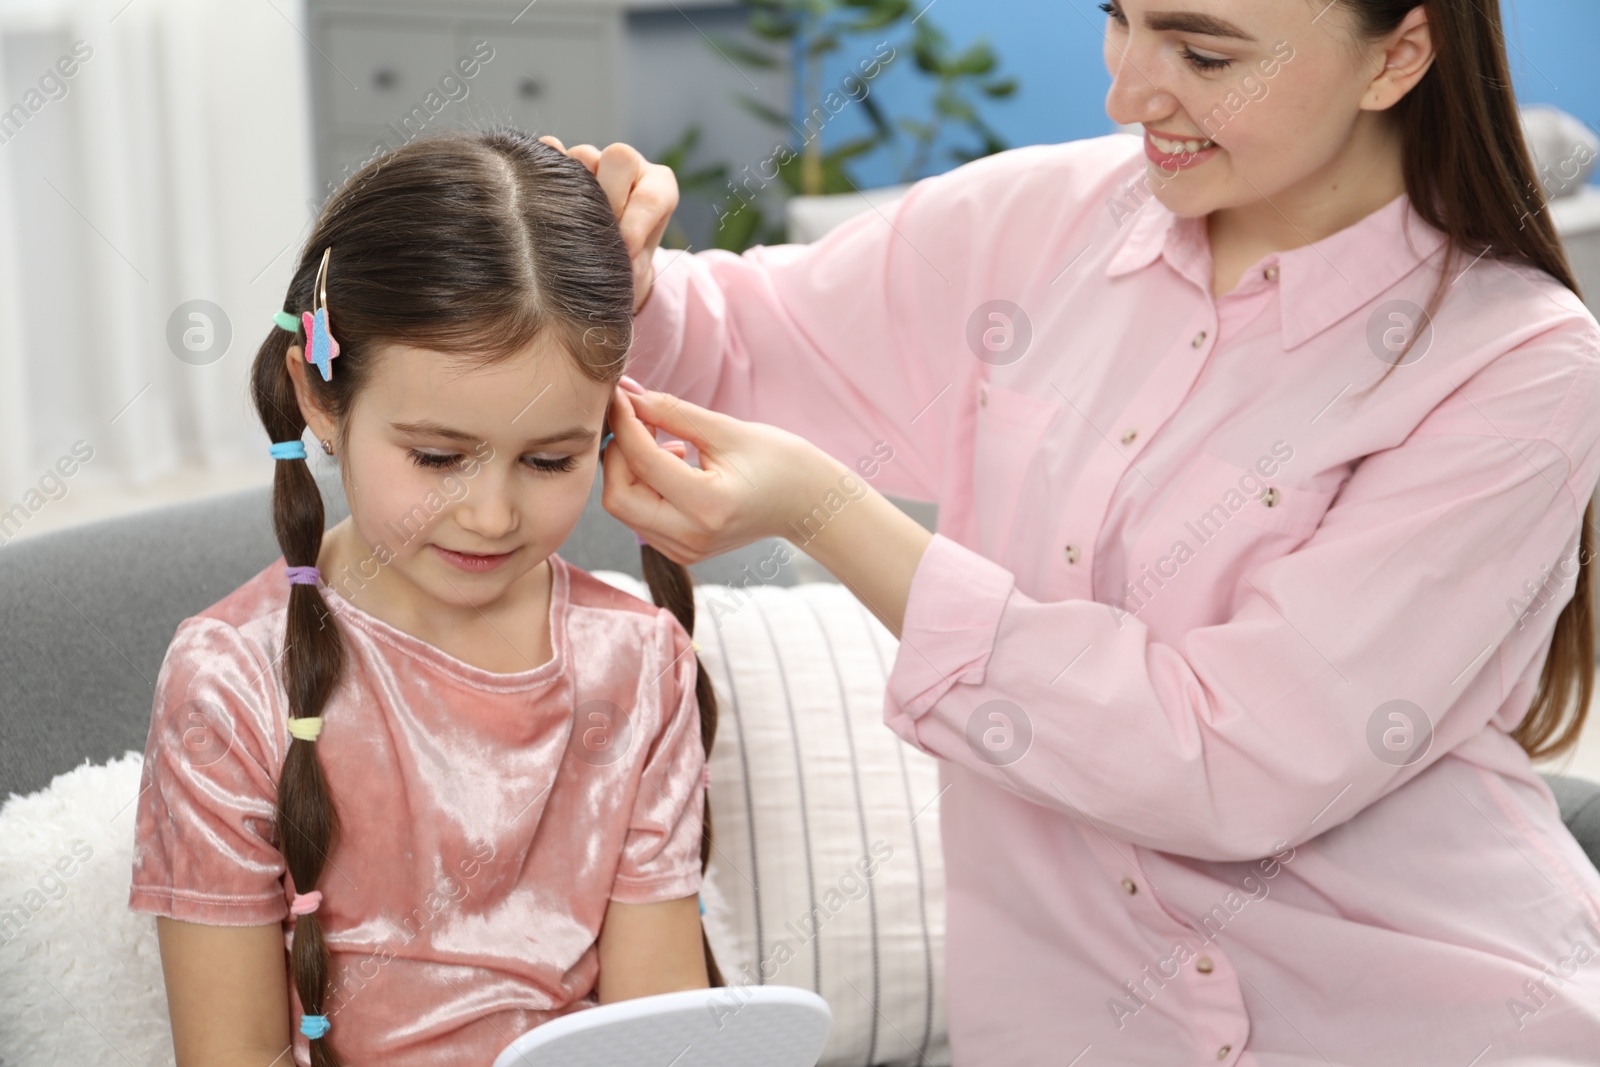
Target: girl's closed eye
547, 464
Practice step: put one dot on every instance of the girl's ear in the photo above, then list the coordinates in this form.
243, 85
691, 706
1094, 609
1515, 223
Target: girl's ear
315, 417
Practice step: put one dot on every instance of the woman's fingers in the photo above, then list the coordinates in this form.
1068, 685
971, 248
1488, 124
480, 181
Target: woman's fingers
637, 470
700, 426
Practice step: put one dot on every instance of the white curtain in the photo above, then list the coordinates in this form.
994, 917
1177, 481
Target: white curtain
172, 165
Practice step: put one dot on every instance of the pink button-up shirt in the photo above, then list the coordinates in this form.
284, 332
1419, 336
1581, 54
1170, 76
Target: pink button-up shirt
1219, 655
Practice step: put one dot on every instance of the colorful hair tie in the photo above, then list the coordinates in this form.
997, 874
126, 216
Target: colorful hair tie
606, 440
702, 906
695, 645
641, 540
302, 575
306, 728
295, 449
285, 321
305, 903
314, 1026
323, 347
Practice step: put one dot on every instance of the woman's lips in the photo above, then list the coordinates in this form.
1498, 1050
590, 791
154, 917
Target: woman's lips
469, 561
1173, 161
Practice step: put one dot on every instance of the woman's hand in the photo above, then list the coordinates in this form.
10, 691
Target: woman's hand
753, 479
643, 195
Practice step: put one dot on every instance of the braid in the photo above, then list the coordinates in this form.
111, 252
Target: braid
671, 588
313, 657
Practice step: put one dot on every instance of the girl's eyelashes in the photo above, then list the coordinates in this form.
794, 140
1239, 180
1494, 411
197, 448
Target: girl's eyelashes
1195, 59
451, 460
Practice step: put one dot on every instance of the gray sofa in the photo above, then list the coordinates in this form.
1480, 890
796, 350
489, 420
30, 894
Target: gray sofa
86, 614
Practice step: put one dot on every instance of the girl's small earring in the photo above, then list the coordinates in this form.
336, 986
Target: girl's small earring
327, 446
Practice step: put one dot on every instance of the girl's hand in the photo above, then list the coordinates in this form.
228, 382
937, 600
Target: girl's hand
643, 195
753, 479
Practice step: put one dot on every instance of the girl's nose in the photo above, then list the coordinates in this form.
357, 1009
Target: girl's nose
488, 509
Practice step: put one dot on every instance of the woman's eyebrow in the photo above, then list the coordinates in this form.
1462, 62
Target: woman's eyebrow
427, 428
1194, 22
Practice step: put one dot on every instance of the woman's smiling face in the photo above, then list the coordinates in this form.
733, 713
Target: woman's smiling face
462, 478
1243, 101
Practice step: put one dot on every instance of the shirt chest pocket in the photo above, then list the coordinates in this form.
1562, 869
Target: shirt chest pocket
1008, 463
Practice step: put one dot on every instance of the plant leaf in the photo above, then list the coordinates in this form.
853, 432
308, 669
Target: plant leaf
740, 52
762, 110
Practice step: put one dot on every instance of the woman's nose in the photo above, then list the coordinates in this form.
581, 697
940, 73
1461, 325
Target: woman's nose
1134, 97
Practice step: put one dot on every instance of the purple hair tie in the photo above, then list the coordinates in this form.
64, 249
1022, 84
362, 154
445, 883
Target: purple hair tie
641, 540
302, 575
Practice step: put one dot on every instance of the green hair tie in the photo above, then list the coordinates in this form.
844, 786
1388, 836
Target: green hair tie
286, 321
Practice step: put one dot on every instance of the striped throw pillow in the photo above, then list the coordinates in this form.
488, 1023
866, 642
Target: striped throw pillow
826, 872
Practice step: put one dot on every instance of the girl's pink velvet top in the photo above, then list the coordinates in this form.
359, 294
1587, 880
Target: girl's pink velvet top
487, 818
1219, 656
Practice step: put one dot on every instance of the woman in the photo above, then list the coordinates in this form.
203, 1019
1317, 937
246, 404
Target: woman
1264, 453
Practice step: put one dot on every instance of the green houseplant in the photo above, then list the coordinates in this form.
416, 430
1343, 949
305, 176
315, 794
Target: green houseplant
802, 35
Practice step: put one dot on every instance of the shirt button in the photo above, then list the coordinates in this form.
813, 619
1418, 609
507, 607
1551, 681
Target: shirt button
1222, 1053
1071, 552
1203, 965
983, 396
1270, 497
1199, 339
1128, 436
1271, 273
1130, 886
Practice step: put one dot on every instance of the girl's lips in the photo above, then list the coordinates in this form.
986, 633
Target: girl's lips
469, 562
1175, 161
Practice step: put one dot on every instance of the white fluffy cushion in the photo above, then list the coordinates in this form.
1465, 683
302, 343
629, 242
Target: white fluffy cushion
80, 974
808, 790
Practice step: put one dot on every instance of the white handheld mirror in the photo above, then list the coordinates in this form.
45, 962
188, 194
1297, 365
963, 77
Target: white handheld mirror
728, 1026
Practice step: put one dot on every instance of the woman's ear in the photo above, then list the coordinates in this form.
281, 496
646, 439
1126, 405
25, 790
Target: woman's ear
316, 418
1407, 53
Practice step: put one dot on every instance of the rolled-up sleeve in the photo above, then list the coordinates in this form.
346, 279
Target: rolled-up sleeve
1242, 735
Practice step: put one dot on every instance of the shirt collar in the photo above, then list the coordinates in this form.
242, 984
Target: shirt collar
1318, 284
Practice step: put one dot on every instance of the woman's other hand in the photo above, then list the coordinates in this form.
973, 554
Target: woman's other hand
752, 482
643, 195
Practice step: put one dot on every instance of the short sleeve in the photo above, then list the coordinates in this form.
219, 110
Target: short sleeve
204, 839
661, 854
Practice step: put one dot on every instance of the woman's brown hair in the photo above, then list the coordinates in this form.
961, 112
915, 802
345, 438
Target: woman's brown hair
475, 243
1468, 173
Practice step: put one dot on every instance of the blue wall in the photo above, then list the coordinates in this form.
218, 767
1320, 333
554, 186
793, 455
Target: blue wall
1053, 48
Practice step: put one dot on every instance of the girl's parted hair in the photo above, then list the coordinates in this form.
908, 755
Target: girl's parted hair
474, 243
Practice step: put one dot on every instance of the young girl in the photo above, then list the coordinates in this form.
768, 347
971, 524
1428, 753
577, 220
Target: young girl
461, 781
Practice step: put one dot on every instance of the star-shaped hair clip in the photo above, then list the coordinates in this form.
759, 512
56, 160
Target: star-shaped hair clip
321, 347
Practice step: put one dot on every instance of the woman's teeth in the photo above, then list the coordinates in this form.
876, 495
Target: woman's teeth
1175, 147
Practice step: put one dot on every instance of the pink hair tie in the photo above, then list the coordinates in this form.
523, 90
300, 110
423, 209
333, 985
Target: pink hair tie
305, 903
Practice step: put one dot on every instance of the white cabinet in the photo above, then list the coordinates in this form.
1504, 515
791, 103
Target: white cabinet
385, 71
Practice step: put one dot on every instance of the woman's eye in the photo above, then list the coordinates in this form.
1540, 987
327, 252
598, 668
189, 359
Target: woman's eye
435, 460
1201, 62
552, 466
1115, 13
